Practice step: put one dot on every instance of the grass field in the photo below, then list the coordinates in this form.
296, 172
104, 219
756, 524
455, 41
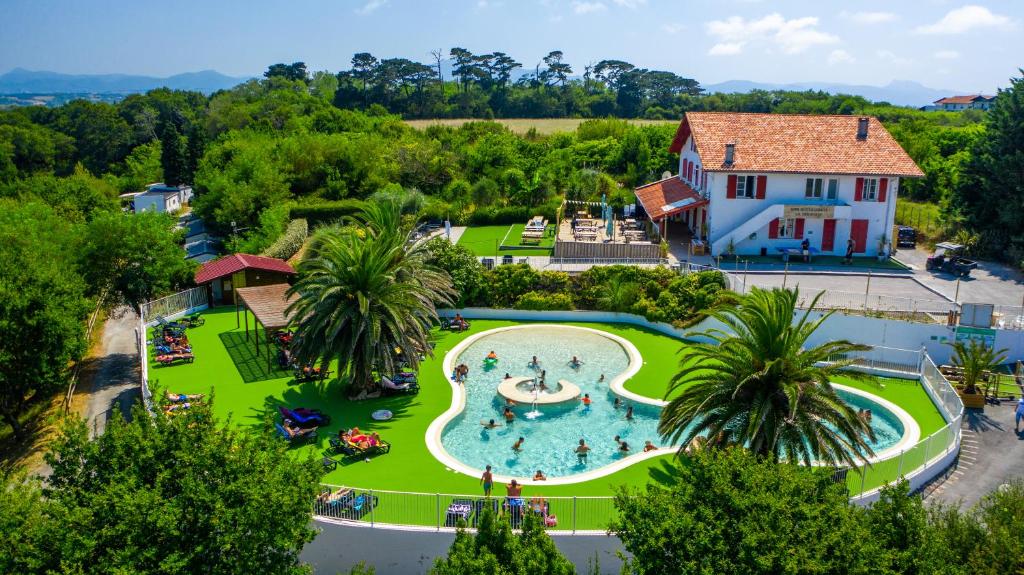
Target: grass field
488, 241
248, 393
924, 217
544, 126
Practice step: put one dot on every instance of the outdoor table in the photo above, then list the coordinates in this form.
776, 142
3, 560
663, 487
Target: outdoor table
798, 252
697, 247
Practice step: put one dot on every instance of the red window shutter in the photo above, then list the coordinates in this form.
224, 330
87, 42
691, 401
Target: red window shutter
773, 229
686, 167
798, 231
730, 188
883, 187
858, 191
762, 183
689, 172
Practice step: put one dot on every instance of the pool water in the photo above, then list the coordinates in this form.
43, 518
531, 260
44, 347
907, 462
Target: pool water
551, 433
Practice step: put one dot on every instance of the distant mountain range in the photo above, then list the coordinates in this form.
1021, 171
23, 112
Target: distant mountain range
21, 81
900, 93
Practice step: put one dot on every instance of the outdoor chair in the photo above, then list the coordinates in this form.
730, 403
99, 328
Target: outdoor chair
195, 320
463, 509
329, 464
283, 433
304, 418
389, 387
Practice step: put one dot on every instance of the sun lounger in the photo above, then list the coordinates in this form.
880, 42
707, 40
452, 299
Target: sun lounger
305, 418
391, 388
463, 509
281, 431
172, 358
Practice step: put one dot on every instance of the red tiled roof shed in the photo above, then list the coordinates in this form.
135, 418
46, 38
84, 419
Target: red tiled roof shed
667, 197
228, 265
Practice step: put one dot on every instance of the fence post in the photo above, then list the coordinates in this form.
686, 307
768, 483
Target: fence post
438, 501
574, 515
899, 468
372, 508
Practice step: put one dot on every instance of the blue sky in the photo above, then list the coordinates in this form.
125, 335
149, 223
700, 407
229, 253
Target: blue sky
973, 45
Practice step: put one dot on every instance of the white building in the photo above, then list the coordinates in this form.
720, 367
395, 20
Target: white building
757, 183
161, 198
970, 102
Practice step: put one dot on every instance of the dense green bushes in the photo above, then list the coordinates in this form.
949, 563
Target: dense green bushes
290, 242
325, 212
659, 294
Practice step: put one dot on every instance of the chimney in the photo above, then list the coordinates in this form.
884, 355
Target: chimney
862, 128
730, 154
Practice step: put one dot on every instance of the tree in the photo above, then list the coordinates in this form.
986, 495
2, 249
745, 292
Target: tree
173, 157
42, 308
128, 259
989, 195
364, 294
294, 72
462, 265
496, 550
617, 294
557, 71
194, 150
762, 387
172, 495
728, 511
976, 360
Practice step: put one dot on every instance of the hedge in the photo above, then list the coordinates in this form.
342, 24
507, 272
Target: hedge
325, 212
290, 242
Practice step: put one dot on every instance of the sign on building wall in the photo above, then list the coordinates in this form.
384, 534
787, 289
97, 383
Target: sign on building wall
809, 212
985, 336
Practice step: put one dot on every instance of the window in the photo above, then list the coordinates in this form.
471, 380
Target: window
786, 227
746, 186
813, 189
833, 189
870, 193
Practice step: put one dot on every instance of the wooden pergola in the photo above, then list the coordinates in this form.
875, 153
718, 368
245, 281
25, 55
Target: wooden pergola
267, 304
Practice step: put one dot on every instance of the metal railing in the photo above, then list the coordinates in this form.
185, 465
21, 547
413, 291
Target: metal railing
180, 302
919, 464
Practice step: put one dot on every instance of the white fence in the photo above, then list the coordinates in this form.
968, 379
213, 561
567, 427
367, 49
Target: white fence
176, 304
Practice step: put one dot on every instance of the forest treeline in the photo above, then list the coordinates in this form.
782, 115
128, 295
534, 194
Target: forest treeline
296, 139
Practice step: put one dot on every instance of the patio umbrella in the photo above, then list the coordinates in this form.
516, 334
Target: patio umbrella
610, 229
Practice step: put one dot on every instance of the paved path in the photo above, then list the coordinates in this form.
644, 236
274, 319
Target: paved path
115, 384
890, 286
991, 454
991, 283
395, 552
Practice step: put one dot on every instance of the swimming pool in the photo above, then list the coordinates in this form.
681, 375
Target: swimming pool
551, 432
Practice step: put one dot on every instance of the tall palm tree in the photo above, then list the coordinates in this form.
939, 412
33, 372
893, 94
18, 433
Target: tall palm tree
366, 297
759, 386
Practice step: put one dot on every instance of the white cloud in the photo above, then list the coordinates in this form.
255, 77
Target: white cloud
630, 3
840, 57
792, 36
869, 17
892, 57
965, 19
370, 6
726, 49
947, 54
588, 7
673, 28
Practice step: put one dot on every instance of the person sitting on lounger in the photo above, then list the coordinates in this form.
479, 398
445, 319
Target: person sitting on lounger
328, 497
293, 431
182, 397
176, 406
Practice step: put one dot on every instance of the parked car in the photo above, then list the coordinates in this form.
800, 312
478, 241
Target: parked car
948, 258
906, 236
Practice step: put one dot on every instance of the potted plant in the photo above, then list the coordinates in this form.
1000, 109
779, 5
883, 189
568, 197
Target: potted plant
975, 361
730, 248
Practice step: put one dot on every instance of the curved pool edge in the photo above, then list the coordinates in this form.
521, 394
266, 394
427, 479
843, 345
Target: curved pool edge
436, 427
911, 429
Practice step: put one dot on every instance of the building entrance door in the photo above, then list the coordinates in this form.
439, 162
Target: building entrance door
828, 236
859, 234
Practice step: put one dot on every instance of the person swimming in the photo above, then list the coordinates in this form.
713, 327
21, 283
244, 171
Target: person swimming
648, 446
509, 415
582, 450
629, 413
518, 445
539, 476
534, 363
492, 356
490, 424
575, 362
507, 376
600, 379
617, 404
586, 401
543, 386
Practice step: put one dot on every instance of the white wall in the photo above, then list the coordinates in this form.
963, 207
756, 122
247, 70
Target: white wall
727, 214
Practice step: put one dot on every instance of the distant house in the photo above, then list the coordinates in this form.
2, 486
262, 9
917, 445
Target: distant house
161, 198
957, 103
223, 276
755, 183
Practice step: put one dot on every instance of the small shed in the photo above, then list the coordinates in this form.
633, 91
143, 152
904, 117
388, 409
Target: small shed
268, 305
225, 275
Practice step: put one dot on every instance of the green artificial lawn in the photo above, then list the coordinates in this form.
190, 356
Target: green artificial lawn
248, 393
485, 240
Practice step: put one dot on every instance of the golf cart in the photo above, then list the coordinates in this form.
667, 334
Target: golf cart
947, 258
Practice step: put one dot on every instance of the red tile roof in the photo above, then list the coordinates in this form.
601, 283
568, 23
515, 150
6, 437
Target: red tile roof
228, 265
667, 197
792, 143
963, 99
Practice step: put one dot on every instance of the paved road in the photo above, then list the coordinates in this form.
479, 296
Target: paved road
991, 454
991, 283
338, 547
116, 381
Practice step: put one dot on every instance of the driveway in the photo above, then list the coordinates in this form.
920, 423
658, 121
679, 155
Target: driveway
115, 385
900, 286
992, 282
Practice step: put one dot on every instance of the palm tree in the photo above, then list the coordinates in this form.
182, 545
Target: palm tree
617, 294
760, 387
975, 359
366, 297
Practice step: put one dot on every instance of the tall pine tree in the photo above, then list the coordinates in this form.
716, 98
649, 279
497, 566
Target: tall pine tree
172, 155
990, 195
194, 152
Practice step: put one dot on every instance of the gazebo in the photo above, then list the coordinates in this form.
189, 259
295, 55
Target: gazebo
267, 304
